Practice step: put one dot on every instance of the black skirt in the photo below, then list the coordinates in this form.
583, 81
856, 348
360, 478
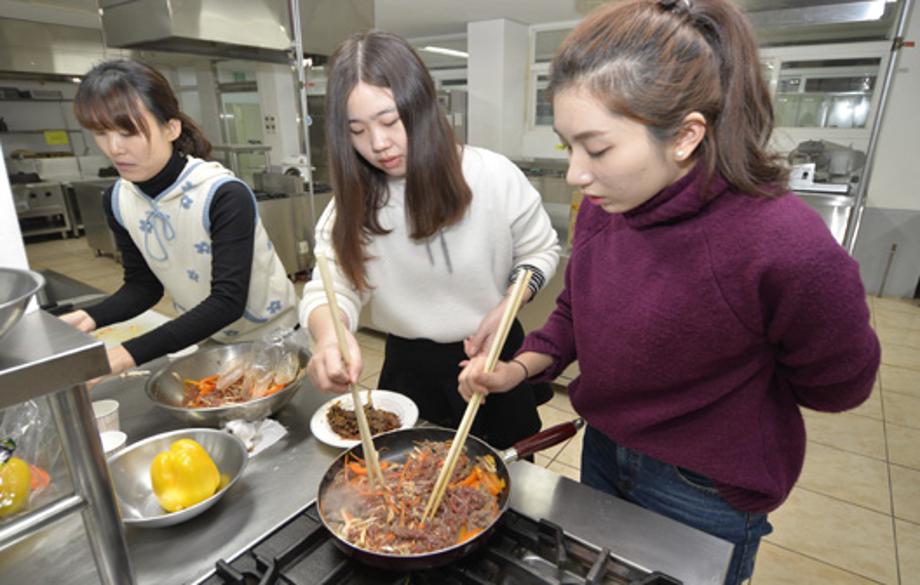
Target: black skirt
426, 371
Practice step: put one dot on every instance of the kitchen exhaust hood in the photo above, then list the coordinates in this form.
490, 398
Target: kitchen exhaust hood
254, 29
239, 29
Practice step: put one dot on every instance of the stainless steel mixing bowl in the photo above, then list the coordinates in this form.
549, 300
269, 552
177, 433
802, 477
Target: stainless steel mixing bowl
166, 390
130, 470
16, 289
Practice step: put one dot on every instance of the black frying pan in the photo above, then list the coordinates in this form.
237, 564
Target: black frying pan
396, 445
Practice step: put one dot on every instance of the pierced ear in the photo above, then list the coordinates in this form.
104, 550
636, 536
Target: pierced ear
691, 133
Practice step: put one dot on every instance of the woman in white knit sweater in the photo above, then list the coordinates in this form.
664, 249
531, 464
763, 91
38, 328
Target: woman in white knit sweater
427, 233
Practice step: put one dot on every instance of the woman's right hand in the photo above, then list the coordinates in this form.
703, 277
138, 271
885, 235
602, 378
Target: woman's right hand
79, 319
327, 370
473, 378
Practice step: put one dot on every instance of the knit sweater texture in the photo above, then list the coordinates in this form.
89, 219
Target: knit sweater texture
702, 325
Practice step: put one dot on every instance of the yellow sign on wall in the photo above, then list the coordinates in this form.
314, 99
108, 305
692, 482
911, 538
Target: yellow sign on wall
56, 138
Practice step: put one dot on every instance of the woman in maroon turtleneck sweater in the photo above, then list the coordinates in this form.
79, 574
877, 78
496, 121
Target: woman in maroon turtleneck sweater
704, 304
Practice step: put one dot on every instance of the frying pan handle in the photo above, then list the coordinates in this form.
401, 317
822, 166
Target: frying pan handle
543, 440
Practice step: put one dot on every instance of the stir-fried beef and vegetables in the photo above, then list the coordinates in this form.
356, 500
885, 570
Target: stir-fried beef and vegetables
388, 520
345, 424
247, 377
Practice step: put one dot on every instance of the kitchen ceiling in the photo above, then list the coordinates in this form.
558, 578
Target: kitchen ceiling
427, 18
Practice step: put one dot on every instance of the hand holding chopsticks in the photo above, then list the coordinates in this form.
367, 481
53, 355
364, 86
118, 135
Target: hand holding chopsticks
370, 453
456, 447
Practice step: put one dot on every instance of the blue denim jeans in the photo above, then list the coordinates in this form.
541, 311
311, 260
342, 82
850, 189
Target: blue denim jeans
675, 492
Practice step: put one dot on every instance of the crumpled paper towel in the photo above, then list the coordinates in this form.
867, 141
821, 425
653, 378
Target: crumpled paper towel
257, 435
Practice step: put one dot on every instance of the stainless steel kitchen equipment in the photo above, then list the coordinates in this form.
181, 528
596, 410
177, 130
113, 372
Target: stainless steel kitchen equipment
834, 204
62, 294
166, 389
230, 155
130, 469
833, 163
833, 201
89, 197
42, 209
524, 549
44, 359
280, 482
284, 208
17, 287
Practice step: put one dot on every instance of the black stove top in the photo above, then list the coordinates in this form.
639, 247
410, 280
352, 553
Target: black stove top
522, 551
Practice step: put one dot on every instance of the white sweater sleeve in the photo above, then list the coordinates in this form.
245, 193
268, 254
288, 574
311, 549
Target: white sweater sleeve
314, 295
536, 243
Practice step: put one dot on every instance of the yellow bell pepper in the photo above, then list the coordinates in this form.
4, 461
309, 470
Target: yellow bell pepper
183, 476
15, 480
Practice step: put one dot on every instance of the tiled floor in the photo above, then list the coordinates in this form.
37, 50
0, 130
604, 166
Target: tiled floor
853, 518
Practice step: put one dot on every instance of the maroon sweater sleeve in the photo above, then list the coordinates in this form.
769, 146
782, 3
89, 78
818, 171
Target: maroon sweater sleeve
826, 349
813, 310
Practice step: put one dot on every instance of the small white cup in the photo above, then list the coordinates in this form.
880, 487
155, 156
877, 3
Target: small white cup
112, 441
106, 412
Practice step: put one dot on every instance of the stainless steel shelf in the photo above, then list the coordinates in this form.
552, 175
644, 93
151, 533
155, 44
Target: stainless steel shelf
42, 354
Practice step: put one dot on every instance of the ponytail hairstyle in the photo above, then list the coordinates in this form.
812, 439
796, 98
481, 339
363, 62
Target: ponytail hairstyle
110, 95
655, 61
437, 195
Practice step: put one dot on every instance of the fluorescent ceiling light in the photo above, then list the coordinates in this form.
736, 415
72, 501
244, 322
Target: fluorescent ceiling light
449, 52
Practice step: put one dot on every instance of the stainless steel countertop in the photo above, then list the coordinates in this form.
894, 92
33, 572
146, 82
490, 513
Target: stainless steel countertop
649, 540
283, 479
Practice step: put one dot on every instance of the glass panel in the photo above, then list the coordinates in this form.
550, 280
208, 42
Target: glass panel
243, 119
546, 42
544, 107
786, 109
789, 84
826, 93
840, 84
812, 112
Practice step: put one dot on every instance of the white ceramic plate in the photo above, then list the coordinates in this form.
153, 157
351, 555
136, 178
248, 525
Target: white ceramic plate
397, 403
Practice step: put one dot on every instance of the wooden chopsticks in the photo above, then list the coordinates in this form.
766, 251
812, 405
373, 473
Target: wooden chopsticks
456, 447
370, 453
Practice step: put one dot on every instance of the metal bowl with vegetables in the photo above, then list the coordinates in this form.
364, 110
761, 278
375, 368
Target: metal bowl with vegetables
230, 382
133, 483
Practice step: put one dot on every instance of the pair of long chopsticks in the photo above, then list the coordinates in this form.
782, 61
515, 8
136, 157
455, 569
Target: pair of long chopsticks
374, 473
456, 447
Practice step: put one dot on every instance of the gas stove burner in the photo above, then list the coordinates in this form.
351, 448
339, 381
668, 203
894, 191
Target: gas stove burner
521, 552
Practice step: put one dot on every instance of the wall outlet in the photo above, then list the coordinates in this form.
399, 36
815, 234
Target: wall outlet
303, 247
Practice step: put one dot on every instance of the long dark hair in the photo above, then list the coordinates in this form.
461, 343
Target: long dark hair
436, 193
655, 61
110, 95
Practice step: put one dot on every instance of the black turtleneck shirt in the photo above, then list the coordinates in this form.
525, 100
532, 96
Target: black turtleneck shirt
233, 218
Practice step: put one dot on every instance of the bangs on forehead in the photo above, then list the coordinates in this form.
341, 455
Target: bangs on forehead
116, 107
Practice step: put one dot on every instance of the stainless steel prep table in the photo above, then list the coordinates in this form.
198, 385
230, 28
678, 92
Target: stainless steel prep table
283, 479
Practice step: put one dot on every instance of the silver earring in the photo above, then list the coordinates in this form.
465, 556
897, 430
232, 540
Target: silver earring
680, 154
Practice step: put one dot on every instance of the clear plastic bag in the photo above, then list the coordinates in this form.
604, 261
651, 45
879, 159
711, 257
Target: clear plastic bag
272, 363
31, 426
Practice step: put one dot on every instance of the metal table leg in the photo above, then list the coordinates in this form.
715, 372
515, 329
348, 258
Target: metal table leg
86, 461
